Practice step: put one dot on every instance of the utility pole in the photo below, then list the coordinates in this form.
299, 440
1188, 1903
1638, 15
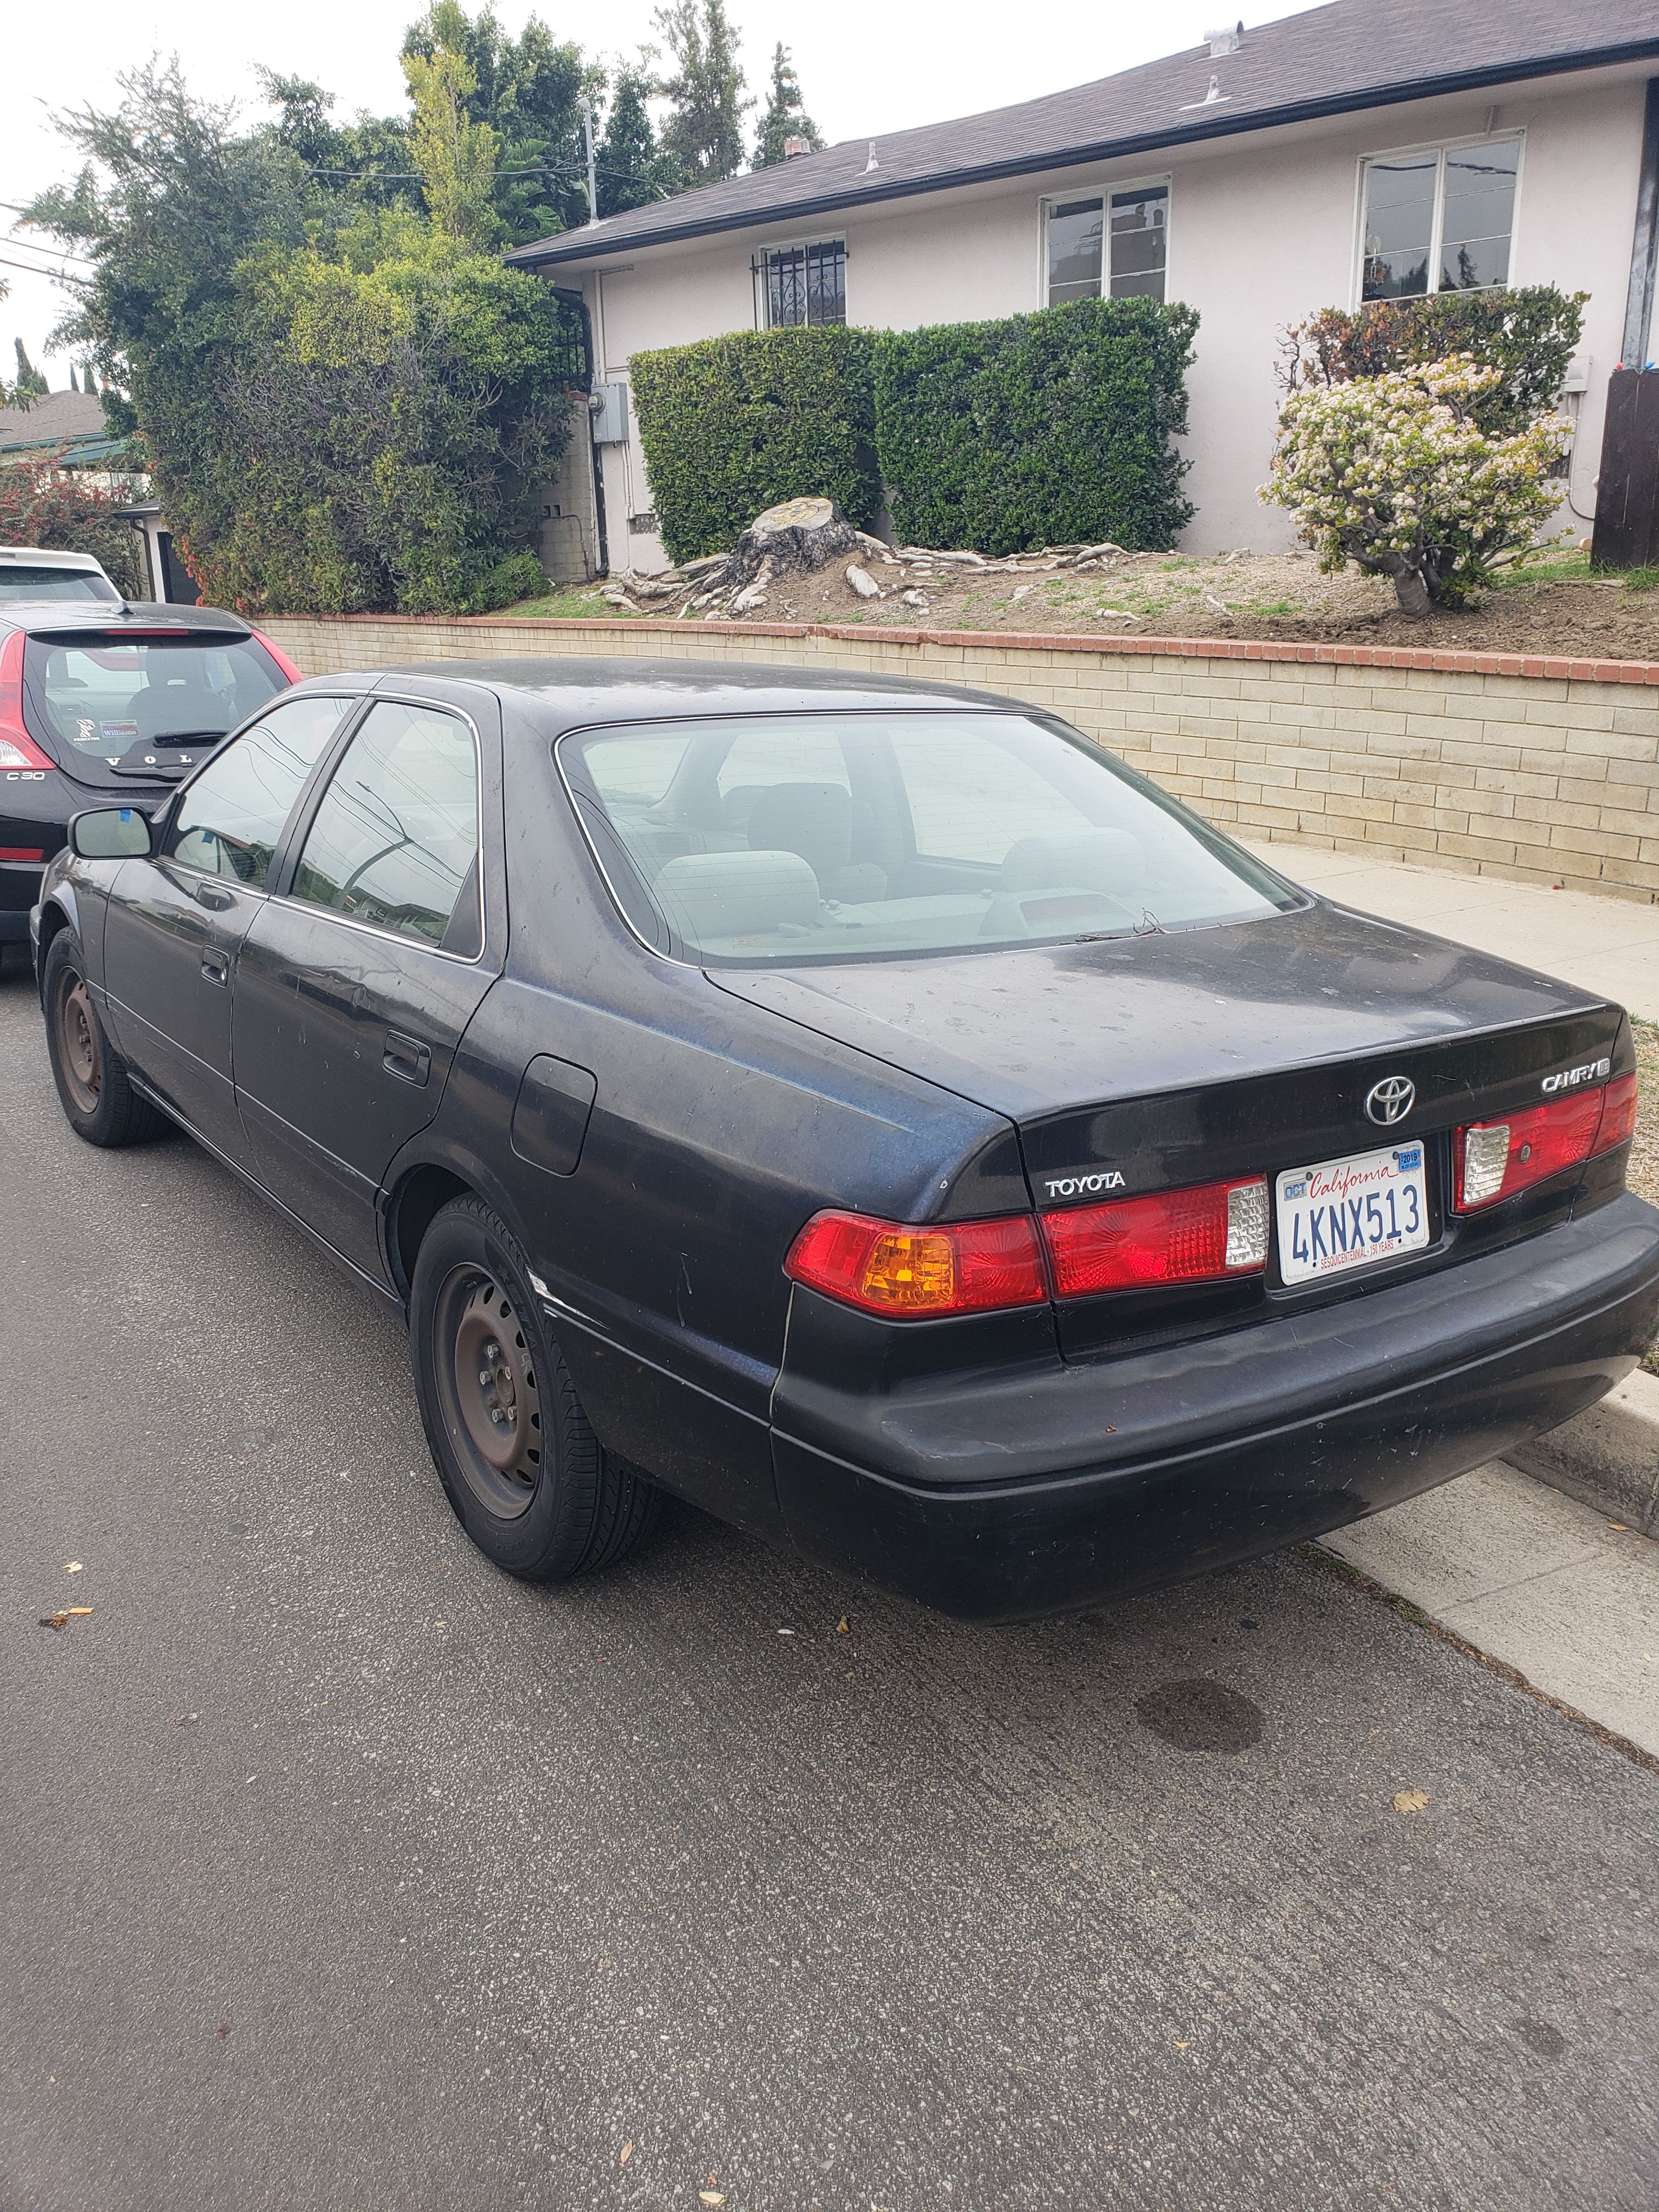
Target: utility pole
592, 173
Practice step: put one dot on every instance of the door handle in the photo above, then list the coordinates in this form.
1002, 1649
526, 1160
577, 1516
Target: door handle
406, 1058
216, 965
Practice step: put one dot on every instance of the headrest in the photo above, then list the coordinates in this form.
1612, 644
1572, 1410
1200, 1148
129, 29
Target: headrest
1080, 859
716, 895
812, 819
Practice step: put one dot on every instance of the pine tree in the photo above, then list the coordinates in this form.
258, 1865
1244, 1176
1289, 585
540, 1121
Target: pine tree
31, 384
703, 134
631, 170
785, 116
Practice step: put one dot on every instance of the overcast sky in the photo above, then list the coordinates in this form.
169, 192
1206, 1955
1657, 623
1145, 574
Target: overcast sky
865, 66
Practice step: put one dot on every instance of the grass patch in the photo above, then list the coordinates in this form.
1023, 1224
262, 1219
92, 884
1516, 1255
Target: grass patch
1642, 580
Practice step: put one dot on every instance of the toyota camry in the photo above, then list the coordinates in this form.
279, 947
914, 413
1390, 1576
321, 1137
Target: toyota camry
866, 1109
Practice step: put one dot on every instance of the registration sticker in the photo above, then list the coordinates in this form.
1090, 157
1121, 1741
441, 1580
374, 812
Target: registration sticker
1351, 1214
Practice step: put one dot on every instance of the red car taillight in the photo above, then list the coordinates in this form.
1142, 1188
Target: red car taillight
17, 748
1498, 1159
294, 675
1200, 1235
897, 1268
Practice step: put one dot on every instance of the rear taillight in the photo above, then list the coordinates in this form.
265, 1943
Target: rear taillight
899, 1269
1498, 1159
294, 675
1196, 1235
17, 749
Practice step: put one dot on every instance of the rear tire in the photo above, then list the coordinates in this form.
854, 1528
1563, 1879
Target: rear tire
530, 1482
93, 1083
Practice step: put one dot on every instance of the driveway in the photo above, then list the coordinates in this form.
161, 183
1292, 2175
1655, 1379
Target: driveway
338, 1870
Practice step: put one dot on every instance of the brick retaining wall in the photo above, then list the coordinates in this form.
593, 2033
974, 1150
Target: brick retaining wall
1541, 769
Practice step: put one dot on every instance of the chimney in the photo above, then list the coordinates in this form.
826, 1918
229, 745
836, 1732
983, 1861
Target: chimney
794, 148
1224, 41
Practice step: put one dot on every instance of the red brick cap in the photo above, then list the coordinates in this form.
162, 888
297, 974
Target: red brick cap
1556, 666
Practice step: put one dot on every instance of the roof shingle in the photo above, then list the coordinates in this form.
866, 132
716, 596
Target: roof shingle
1350, 54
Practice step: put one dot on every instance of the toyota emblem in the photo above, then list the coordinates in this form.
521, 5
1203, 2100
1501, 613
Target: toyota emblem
1391, 1100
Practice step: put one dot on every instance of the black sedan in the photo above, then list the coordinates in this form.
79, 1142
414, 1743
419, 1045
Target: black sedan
864, 1110
100, 695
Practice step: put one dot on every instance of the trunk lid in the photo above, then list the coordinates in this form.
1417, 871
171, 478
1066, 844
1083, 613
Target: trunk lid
1231, 1052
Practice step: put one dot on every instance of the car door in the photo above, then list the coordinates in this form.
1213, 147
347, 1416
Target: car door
176, 921
357, 980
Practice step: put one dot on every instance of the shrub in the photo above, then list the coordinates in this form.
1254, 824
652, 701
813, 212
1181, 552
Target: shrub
1395, 472
1528, 337
732, 425
1041, 429
372, 432
42, 503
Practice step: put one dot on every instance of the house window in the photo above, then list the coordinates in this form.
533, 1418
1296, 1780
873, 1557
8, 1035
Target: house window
1122, 237
1439, 221
801, 285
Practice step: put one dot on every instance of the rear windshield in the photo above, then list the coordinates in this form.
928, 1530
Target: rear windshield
757, 843
94, 699
21, 580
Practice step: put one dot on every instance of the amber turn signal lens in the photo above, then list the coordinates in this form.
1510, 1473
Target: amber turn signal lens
899, 1268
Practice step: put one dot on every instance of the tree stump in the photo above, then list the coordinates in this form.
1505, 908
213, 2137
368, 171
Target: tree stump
798, 536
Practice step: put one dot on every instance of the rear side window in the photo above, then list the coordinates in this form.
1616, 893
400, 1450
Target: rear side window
94, 699
231, 816
395, 841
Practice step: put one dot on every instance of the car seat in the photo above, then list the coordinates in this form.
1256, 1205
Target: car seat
816, 821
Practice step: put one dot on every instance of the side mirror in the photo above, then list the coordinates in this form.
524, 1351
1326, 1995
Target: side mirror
111, 833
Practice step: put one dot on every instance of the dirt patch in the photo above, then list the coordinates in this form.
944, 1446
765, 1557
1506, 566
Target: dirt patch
1557, 609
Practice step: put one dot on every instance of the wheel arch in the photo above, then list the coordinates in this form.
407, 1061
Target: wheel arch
59, 913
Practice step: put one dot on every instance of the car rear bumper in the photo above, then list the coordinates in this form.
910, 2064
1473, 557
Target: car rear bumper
1007, 1498
19, 887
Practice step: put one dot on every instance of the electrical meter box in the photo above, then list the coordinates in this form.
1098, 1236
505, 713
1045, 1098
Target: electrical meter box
609, 406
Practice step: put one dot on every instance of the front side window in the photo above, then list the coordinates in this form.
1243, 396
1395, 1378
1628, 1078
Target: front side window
231, 816
1439, 221
801, 286
395, 841
779, 841
1117, 243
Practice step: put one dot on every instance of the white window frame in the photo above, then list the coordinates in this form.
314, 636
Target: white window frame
1048, 201
762, 285
1440, 147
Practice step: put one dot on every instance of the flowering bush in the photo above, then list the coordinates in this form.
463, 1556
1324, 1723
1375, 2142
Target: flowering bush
43, 503
1395, 472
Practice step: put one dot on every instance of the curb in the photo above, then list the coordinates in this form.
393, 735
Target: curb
1607, 1457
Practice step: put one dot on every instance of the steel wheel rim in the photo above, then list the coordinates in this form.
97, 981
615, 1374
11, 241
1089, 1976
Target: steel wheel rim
487, 1379
78, 1049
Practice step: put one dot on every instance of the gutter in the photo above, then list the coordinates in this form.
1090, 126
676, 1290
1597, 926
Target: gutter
565, 248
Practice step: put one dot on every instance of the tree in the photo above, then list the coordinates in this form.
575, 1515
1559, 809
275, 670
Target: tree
632, 170
1395, 472
785, 116
703, 133
31, 384
455, 155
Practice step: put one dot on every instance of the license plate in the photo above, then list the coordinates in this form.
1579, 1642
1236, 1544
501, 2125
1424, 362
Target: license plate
1351, 1214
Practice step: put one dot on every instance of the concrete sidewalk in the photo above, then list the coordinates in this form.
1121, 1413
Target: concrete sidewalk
1563, 1595
1607, 945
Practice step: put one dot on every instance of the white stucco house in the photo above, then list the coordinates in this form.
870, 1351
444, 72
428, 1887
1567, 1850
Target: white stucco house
1366, 148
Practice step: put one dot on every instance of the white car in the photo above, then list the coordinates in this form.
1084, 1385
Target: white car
28, 573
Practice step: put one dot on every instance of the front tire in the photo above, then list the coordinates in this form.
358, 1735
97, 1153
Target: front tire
93, 1083
529, 1480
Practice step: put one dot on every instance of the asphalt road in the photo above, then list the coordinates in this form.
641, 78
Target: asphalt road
337, 1870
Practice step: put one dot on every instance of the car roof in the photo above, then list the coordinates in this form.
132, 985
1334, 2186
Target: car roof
57, 615
576, 692
38, 556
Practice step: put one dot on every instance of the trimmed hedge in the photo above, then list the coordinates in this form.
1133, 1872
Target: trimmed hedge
1050, 429
734, 424
1042, 429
